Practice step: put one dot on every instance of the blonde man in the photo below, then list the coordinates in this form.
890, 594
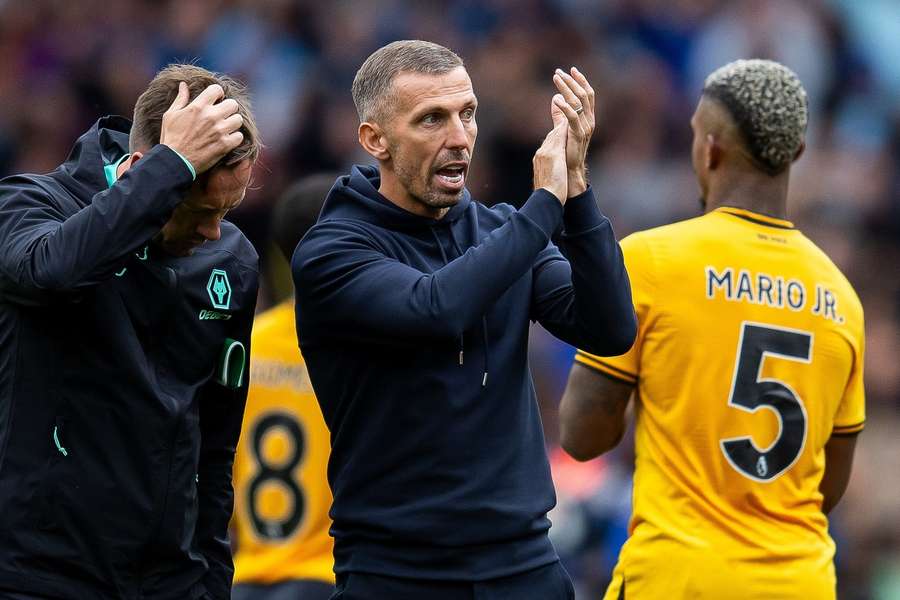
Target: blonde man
746, 372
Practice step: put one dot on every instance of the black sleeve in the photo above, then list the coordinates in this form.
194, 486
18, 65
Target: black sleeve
45, 254
348, 287
584, 298
221, 415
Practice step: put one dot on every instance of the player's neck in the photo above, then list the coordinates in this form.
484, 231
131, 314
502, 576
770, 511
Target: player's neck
758, 193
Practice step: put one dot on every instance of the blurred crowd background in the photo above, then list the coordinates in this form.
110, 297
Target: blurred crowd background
63, 64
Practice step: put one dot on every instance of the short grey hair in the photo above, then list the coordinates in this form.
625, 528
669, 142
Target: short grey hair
372, 84
769, 105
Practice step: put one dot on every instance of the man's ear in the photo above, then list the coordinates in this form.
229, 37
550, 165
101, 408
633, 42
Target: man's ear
799, 152
128, 163
373, 140
712, 152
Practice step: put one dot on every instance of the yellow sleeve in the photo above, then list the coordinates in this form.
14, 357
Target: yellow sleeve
850, 417
638, 263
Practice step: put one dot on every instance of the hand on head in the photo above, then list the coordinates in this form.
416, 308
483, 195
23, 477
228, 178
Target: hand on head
204, 130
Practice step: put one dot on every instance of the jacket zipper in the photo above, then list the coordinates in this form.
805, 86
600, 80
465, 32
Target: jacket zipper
156, 348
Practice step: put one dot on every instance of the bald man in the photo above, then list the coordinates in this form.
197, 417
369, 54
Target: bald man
746, 373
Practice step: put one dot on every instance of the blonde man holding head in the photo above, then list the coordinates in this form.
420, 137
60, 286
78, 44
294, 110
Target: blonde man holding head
126, 303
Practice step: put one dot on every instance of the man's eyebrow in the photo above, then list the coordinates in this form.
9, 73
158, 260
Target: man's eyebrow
237, 202
432, 108
429, 108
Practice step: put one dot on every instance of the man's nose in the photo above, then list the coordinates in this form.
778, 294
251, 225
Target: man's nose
457, 137
210, 230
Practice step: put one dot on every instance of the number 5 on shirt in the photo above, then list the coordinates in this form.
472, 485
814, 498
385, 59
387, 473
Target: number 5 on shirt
750, 392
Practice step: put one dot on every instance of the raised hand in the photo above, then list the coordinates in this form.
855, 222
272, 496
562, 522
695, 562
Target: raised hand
202, 131
576, 101
550, 171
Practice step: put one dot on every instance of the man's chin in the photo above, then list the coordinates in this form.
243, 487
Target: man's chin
180, 251
443, 199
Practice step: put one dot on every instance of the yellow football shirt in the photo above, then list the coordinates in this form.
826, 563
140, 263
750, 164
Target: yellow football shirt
749, 357
281, 492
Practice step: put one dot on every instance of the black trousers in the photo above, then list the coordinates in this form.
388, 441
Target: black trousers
286, 590
550, 582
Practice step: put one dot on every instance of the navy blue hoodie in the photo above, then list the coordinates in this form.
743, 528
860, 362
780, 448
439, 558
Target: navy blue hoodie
415, 333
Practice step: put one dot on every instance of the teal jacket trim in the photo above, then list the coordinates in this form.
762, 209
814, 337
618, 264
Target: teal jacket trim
232, 362
110, 170
186, 161
59, 446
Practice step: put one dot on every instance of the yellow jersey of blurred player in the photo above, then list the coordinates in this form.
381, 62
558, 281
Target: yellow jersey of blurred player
282, 498
747, 371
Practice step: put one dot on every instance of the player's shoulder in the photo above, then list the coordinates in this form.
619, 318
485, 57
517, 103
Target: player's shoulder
275, 327
656, 248
276, 361
830, 274
670, 232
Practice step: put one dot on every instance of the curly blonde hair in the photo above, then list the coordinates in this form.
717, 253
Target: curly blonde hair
769, 106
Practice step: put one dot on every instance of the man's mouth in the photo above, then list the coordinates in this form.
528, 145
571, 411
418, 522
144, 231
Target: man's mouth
452, 176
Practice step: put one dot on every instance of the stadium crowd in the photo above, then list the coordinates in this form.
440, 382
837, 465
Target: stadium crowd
65, 63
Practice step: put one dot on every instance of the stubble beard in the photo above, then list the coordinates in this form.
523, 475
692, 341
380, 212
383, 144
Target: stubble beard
423, 192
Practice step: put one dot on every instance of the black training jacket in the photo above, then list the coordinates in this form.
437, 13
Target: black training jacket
121, 381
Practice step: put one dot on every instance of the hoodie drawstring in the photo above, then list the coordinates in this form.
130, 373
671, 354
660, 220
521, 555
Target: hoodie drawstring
484, 325
484, 332
440, 246
456, 246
